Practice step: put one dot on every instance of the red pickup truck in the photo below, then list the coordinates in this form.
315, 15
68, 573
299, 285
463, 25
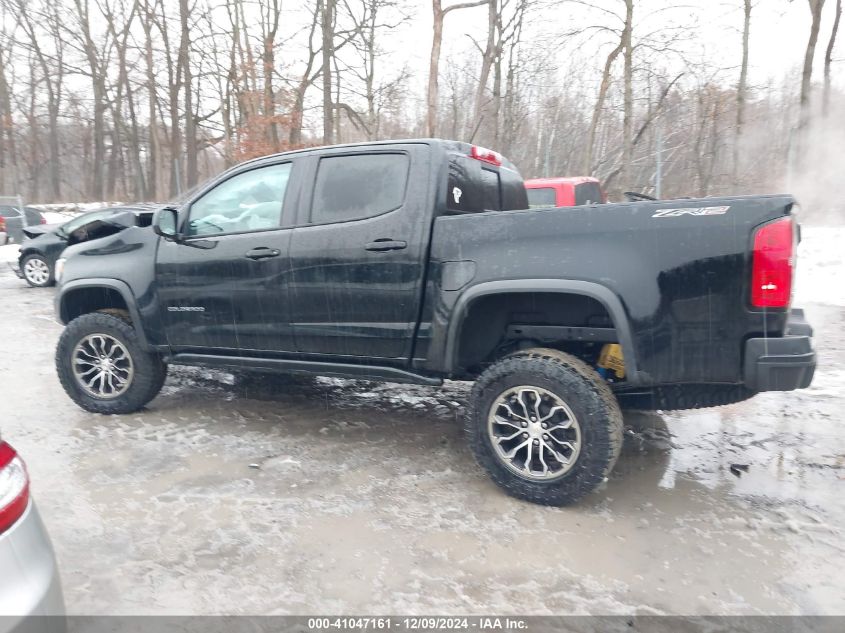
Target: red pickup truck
564, 192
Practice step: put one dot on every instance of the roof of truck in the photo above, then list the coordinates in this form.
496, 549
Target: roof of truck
535, 183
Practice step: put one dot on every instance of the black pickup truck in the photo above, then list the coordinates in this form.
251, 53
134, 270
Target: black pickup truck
416, 261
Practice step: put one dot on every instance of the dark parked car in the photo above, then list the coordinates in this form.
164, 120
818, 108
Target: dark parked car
46, 242
416, 261
16, 218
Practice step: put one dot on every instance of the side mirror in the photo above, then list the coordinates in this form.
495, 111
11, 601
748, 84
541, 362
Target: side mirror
166, 222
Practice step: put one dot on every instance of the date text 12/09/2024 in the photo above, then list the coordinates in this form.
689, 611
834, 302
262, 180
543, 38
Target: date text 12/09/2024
420, 623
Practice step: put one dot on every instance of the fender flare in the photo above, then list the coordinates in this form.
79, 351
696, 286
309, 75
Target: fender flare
602, 294
120, 287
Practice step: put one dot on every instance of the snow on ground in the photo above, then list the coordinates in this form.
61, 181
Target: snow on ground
9, 253
820, 276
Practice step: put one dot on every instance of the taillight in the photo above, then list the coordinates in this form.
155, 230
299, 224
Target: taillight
2, 223
486, 155
43, 220
14, 487
772, 264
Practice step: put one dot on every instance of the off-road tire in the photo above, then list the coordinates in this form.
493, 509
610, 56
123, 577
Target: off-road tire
681, 397
51, 280
149, 370
582, 389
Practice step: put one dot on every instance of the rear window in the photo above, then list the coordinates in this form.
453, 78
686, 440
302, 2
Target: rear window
542, 197
588, 193
359, 186
491, 190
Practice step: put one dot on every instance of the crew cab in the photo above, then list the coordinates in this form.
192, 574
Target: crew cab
417, 261
564, 192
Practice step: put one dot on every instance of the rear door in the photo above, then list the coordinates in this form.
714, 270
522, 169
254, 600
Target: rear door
359, 253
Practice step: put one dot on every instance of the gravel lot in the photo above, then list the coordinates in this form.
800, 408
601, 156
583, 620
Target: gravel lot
237, 494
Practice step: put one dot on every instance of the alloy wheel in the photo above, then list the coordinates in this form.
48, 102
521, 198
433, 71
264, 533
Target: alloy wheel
534, 433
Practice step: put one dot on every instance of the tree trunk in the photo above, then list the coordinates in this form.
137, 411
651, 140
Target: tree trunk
487, 58
433, 70
628, 115
327, 27
7, 139
828, 58
305, 80
152, 105
432, 96
191, 171
741, 92
597, 109
807, 72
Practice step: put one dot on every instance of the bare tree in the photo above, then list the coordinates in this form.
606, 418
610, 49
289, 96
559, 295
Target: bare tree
327, 23
439, 13
599, 105
828, 58
628, 115
742, 88
184, 61
97, 57
8, 164
807, 70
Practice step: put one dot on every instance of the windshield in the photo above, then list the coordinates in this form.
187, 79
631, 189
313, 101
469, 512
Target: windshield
71, 225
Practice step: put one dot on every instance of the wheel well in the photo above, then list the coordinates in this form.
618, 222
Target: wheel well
84, 300
488, 330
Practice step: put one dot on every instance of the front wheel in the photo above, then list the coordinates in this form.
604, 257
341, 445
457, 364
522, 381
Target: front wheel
103, 367
37, 271
545, 426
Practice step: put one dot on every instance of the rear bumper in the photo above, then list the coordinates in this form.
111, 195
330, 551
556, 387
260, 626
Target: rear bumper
783, 363
30, 591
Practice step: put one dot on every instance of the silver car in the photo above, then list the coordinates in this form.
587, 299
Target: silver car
29, 578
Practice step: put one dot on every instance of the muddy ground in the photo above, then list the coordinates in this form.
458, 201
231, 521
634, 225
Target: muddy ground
274, 496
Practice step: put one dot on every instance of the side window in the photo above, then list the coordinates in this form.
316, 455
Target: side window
10, 212
541, 197
250, 201
587, 193
359, 186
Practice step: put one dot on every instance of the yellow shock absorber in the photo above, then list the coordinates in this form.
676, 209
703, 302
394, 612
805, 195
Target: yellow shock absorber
611, 358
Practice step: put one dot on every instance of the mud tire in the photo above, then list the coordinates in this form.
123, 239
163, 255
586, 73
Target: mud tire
149, 370
583, 390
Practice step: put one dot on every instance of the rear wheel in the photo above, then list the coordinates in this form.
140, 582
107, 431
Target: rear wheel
103, 367
545, 426
37, 271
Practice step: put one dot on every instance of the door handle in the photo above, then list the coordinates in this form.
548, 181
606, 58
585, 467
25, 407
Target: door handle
386, 244
262, 252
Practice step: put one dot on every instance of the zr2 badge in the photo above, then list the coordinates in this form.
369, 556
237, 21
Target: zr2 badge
674, 213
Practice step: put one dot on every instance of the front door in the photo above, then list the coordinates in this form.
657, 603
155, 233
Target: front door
224, 287
357, 258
